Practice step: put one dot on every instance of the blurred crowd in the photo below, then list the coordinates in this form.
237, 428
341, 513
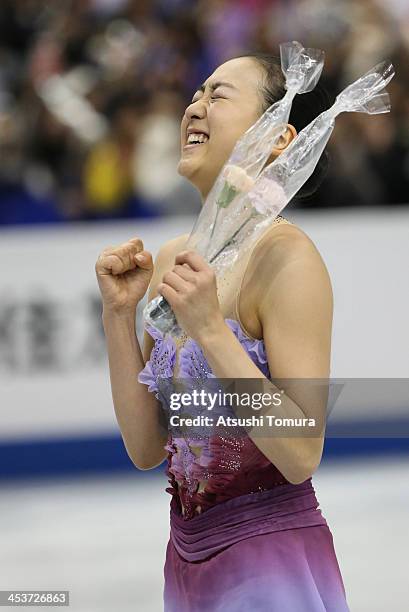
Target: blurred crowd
92, 93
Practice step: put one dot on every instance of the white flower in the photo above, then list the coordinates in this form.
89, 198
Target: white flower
268, 197
238, 178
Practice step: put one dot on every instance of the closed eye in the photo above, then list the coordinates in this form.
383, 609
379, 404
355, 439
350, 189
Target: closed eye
213, 97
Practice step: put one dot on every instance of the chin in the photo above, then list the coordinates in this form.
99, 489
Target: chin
190, 172
187, 169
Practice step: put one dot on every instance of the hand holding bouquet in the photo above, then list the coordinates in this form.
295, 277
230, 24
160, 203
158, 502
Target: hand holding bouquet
244, 201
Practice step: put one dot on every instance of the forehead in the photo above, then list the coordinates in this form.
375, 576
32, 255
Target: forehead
242, 72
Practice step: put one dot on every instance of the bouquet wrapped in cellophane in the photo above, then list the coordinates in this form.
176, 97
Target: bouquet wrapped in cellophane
247, 203
302, 69
278, 183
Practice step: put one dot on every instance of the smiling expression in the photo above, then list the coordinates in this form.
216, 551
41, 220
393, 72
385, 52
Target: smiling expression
222, 109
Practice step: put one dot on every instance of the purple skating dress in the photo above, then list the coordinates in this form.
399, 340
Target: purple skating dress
242, 538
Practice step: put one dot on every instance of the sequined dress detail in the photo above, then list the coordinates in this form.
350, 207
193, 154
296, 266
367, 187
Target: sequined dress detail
236, 523
205, 472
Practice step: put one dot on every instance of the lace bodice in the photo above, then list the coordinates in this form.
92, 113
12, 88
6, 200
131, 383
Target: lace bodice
204, 472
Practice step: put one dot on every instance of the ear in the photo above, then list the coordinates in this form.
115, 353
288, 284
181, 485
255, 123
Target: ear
283, 143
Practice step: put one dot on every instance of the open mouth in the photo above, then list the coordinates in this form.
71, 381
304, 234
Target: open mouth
195, 139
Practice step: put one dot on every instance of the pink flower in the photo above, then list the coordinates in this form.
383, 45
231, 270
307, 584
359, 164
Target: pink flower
238, 178
268, 197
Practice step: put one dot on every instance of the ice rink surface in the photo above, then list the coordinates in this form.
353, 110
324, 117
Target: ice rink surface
104, 538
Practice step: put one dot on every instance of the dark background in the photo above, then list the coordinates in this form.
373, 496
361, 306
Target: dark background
92, 93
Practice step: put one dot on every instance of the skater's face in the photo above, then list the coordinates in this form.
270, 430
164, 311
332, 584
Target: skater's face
226, 105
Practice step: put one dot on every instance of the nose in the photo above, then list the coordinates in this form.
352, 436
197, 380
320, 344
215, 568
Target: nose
196, 110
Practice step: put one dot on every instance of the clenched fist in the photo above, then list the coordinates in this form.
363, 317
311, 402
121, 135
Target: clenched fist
124, 273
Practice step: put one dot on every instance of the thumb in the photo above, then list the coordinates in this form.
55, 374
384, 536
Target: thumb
144, 260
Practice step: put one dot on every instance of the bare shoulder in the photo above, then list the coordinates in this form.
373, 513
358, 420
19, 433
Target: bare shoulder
285, 243
286, 255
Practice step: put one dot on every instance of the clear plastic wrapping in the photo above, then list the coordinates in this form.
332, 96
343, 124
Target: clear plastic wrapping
302, 69
246, 198
278, 183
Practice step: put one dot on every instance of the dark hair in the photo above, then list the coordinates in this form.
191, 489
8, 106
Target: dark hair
305, 108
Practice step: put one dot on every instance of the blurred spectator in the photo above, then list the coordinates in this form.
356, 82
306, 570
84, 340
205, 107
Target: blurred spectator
107, 178
157, 155
92, 93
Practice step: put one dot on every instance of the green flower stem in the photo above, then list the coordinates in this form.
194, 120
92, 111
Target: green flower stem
214, 224
226, 244
227, 195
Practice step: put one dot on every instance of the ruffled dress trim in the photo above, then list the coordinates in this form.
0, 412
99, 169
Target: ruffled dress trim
221, 461
161, 362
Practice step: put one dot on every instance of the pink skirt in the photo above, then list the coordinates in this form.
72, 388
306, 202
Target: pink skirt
270, 551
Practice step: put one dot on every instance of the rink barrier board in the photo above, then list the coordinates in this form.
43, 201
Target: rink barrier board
80, 456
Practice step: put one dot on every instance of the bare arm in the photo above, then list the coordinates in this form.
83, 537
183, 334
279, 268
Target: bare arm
295, 310
137, 409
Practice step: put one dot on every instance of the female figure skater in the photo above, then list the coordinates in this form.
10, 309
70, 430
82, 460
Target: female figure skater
246, 531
